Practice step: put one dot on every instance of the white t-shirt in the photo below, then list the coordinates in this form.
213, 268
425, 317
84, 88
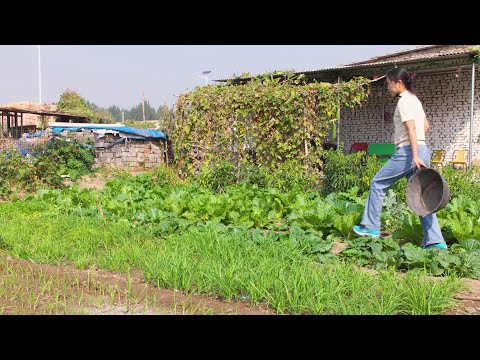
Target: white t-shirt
408, 108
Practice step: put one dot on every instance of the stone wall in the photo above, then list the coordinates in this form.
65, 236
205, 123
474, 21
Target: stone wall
121, 153
129, 153
446, 100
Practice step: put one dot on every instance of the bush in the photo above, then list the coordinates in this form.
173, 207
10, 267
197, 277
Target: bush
71, 102
166, 175
19, 173
462, 182
71, 157
253, 174
217, 175
343, 172
291, 175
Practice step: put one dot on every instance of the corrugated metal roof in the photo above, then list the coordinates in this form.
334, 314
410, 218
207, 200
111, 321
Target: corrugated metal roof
40, 112
363, 65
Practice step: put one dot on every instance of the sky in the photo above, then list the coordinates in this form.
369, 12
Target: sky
108, 75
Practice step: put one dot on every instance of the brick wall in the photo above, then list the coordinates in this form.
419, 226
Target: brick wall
446, 101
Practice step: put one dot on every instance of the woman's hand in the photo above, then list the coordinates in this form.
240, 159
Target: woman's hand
418, 162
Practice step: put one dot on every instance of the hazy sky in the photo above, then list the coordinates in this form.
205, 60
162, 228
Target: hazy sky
117, 74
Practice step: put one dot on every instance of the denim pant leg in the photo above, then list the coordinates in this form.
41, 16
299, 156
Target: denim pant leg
398, 166
431, 229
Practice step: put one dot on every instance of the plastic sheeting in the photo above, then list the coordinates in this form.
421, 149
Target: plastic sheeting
132, 133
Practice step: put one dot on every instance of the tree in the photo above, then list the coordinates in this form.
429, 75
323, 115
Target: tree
167, 119
71, 102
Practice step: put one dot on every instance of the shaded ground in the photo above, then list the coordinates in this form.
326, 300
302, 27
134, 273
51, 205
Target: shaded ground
30, 288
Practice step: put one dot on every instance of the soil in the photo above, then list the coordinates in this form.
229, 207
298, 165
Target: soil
97, 181
31, 288
469, 300
35, 289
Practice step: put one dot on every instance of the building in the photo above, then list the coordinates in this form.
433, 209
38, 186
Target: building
447, 84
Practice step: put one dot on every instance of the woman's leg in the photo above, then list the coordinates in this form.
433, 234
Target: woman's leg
431, 229
398, 166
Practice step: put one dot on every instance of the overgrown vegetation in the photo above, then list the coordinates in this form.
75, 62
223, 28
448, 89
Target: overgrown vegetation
245, 214
268, 120
165, 204
45, 167
477, 57
140, 124
346, 171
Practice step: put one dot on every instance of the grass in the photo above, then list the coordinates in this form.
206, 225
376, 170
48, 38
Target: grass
213, 262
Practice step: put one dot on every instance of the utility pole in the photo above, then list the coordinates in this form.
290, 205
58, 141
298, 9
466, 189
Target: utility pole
39, 77
123, 116
143, 108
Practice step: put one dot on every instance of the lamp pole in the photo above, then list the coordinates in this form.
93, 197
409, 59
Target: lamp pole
39, 77
204, 76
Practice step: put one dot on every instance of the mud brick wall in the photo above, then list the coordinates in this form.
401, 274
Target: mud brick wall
131, 153
446, 100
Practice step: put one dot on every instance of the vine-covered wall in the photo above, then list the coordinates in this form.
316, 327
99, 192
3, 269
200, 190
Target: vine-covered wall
270, 119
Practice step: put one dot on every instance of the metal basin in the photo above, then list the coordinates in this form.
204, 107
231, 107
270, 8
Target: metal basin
427, 192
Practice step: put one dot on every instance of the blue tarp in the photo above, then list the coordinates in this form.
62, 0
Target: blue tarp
142, 134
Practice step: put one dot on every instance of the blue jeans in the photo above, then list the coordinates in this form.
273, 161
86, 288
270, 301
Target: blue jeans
399, 166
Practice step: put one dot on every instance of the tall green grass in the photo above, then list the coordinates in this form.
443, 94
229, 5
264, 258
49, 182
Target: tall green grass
212, 260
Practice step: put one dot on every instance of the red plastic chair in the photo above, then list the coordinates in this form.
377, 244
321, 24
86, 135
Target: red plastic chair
356, 147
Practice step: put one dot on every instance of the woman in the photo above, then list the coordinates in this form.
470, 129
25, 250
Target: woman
411, 126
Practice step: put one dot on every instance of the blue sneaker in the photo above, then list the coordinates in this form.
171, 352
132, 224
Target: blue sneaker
441, 245
364, 231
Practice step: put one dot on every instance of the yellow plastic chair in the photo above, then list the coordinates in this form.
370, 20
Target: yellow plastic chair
437, 157
459, 158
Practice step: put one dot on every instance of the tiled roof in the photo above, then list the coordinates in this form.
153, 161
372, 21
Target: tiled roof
420, 52
417, 55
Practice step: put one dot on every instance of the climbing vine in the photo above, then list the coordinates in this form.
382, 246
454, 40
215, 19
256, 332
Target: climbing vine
271, 119
476, 58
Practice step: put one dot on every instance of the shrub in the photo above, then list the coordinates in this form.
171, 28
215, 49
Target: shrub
217, 175
71, 157
166, 175
253, 174
462, 182
291, 175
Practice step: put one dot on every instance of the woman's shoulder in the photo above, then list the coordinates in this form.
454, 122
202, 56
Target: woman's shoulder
409, 98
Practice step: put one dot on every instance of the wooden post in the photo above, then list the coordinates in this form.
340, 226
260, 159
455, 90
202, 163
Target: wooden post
16, 126
166, 152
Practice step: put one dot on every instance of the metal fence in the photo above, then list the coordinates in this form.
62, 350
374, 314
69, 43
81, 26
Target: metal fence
24, 145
